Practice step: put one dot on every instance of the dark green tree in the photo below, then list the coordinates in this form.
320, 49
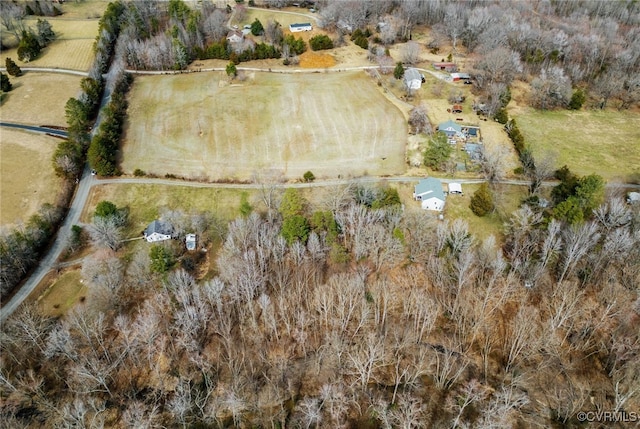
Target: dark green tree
297, 46
324, 221
5, 83
320, 42
501, 116
308, 176
590, 193
482, 201
232, 71
569, 211
398, 72
577, 99
106, 209
67, 159
45, 32
256, 28
162, 259
12, 68
292, 203
295, 228
438, 151
245, 206
29, 47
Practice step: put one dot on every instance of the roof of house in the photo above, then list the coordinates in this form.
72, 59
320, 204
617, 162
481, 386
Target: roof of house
190, 241
306, 24
160, 227
460, 75
412, 74
237, 33
455, 187
430, 188
450, 126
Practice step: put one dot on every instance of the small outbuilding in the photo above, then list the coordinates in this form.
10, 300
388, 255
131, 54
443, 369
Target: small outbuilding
294, 28
158, 231
455, 188
448, 67
190, 241
412, 78
429, 192
456, 77
633, 197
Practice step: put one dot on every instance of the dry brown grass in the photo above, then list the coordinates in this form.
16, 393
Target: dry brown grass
64, 292
27, 179
332, 124
39, 98
314, 60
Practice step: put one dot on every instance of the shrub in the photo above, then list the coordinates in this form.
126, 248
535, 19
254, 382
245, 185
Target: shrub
309, 176
5, 83
256, 28
232, 71
297, 46
245, 206
320, 42
138, 172
398, 72
29, 47
105, 209
577, 99
12, 68
482, 201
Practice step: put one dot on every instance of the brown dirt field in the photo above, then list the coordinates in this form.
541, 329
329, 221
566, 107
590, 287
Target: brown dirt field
314, 60
39, 98
332, 124
27, 179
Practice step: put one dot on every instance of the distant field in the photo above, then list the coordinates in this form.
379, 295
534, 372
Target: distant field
39, 98
27, 179
72, 48
198, 126
146, 201
602, 142
92, 9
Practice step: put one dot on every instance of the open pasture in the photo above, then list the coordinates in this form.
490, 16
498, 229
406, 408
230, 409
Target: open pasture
602, 142
39, 98
72, 48
27, 179
199, 126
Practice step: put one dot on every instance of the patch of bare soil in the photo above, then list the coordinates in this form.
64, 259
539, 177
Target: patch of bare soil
315, 60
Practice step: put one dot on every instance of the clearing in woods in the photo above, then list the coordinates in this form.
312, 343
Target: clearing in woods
27, 179
199, 126
39, 98
604, 142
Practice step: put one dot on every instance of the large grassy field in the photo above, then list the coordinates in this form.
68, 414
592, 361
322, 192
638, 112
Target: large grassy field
39, 98
602, 142
72, 48
27, 179
199, 126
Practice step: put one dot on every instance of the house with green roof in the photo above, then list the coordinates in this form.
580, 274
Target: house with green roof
429, 192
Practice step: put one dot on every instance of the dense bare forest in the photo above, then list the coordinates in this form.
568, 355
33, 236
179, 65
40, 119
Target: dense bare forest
364, 317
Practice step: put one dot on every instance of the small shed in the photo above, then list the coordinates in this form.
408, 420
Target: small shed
158, 231
633, 197
456, 77
235, 36
455, 188
190, 241
429, 192
457, 108
446, 66
294, 28
412, 78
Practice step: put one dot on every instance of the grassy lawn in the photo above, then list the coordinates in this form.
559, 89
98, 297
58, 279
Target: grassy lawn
27, 179
602, 142
285, 19
64, 292
72, 48
332, 124
146, 201
39, 98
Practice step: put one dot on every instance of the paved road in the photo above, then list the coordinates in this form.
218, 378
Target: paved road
35, 129
50, 70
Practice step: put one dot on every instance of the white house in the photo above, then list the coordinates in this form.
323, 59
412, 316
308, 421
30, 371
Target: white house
294, 28
158, 231
429, 191
455, 188
190, 241
412, 79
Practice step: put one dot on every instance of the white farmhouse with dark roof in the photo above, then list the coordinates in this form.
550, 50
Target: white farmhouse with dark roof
158, 231
430, 192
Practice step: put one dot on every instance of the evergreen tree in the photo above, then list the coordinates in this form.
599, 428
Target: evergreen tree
232, 71
45, 32
256, 28
398, 72
438, 151
29, 47
5, 83
12, 68
482, 201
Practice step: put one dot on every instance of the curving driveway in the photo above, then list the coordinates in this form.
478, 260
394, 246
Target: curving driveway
32, 128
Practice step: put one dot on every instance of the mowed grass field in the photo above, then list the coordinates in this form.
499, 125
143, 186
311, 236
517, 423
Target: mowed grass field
72, 48
27, 179
198, 126
602, 142
39, 98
